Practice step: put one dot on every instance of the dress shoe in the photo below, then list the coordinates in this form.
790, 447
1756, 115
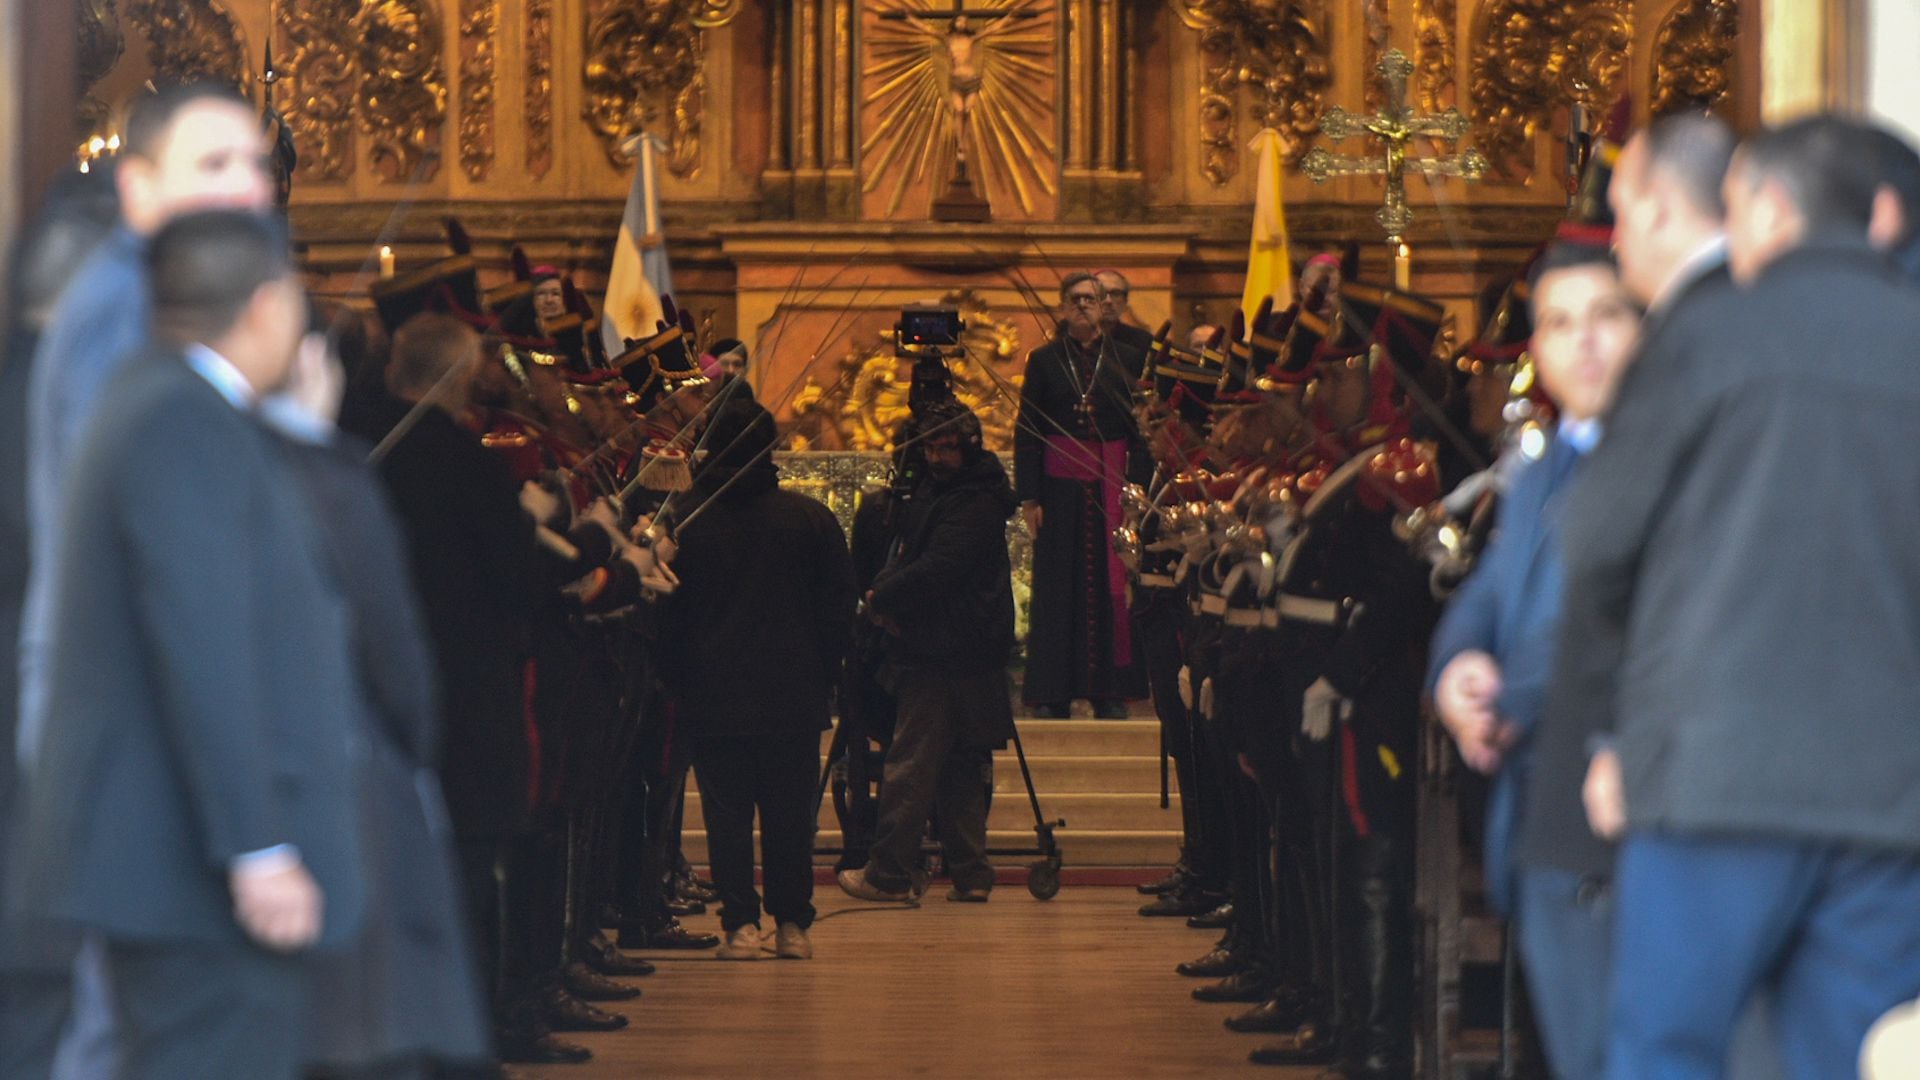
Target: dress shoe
959, 895
666, 935
525, 1048
602, 956
1110, 710
1284, 1011
682, 908
1248, 986
692, 886
792, 943
1181, 905
1051, 711
589, 985
1218, 919
1218, 964
568, 1013
1309, 1044
1175, 878
855, 884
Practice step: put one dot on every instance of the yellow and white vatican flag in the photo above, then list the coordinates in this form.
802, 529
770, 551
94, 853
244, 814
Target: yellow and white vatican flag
1269, 272
640, 275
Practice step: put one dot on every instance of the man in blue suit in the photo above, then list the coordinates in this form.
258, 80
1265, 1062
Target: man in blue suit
1493, 653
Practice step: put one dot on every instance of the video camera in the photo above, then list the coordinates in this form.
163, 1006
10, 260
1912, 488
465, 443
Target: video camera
929, 335
924, 327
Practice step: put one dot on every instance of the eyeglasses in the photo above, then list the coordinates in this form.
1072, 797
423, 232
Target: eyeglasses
1083, 300
1116, 294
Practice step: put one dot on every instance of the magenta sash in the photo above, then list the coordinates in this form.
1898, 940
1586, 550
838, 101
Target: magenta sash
1103, 462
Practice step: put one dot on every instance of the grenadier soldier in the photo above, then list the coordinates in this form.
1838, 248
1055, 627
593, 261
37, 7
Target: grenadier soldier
1357, 608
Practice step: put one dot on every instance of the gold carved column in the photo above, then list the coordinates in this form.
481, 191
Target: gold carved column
810, 174
1101, 179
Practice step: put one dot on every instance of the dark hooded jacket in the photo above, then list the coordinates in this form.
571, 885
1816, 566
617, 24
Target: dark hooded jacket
948, 588
752, 640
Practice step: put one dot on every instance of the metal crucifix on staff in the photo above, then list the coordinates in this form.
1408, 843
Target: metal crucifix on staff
1394, 125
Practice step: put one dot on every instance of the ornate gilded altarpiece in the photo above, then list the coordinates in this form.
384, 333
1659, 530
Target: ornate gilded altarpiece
805, 141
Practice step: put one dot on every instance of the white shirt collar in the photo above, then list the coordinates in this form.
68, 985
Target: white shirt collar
1701, 261
1582, 435
221, 375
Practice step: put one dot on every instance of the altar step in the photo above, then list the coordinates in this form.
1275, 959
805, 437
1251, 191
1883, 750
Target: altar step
1102, 776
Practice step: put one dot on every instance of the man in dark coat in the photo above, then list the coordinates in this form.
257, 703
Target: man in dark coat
752, 643
195, 805
1075, 445
1762, 717
186, 146
79, 214
946, 599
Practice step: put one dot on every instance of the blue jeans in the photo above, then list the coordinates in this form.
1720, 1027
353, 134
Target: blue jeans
1701, 924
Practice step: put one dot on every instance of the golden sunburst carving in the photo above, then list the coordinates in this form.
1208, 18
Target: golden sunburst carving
928, 66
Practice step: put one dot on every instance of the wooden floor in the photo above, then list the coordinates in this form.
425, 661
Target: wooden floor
1076, 987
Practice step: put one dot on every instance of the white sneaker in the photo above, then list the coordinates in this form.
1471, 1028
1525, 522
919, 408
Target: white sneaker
793, 943
742, 944
855, 884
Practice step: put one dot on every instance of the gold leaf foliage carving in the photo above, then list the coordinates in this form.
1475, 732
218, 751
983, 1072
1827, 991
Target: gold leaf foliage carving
1532, 57
1433, 53
1379, 39
645, 63
101, 41
864, 397
402, 96
539, 87
479, 19
192, 39
1276, 51
1693, 56
318, 72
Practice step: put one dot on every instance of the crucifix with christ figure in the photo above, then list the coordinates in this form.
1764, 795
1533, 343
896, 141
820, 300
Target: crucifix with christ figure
1395, 125
963, 85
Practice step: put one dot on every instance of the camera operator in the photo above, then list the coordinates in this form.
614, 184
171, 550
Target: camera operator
946, 602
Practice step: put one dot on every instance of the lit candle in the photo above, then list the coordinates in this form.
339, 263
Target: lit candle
1402, 267
386, 261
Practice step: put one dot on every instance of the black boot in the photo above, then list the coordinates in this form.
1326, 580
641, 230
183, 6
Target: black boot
1248, 985
1220, 918
664, 934
525, 1037
1223, 961
603, 957
589, 985
564, 1012
1312, 1043
1383, 1024
1183, 904
1285, 1010
1171, 883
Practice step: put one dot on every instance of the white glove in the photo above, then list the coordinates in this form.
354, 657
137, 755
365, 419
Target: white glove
1320, 706
1186, 687
539, 503
603, 514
